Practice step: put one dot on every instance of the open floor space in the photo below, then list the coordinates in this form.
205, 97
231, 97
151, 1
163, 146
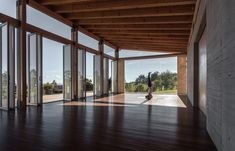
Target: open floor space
126, 124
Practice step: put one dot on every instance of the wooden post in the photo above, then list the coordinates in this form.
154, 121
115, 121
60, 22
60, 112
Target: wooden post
22, 85
74, 37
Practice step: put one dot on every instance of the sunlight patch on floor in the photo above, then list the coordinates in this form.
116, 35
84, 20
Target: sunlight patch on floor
132, 100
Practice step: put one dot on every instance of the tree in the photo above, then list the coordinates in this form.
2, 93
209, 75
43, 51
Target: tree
141, 79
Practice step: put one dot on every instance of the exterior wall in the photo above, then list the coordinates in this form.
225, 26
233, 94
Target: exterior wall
181, 78
121, 76
220, 23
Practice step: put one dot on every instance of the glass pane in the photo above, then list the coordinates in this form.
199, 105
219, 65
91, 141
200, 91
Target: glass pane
106, 76
163, 75
52, 70
81, 73
67, 72
134, 53
89, 74
8, 7
97, 75
41, 20
114, 76
32, 63
4, 65
109, 51
87, 41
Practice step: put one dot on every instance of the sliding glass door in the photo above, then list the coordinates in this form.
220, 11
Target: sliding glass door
67, 73
97, 76
35, 69
4, 67
81, 74
7, 66
114, 76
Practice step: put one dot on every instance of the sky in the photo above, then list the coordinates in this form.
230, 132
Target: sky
53, 51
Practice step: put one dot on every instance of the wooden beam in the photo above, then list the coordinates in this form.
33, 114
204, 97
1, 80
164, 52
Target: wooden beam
119, 4
142, 32
137, 20
12, 21
153, 37
47, 34
148, 40
147, 46
140, 27
154, 56
168, 50
88, 49
109, 57
143, 12
61, 2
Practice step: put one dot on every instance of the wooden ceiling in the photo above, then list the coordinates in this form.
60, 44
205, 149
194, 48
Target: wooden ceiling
151, 25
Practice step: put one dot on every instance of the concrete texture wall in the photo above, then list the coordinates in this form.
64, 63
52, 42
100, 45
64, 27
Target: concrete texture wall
121, 76
220, 26
181, 76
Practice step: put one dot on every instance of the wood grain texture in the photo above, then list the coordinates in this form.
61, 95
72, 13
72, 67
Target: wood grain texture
117, 128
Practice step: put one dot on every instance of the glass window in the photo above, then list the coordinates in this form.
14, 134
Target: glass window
52, 70
41, 20
4, 67
134, 53
88, 41
163, 75
109, 51
67, 72
8, 7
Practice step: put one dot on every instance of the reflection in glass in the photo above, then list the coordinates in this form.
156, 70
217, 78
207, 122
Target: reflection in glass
114, 77
35, 69
97, 76
4, 66
67, 72
81, 73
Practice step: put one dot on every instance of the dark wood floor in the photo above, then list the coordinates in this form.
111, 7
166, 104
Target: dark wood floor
139, 128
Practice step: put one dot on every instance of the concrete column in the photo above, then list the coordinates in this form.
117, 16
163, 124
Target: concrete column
74, 75
182, 76
22, 85
121, 75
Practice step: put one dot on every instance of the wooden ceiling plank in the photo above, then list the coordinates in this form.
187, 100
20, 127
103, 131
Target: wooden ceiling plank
145, 36
148, 41
146, 12
140, 27
137, 20
118, 5
61, 2
151, 49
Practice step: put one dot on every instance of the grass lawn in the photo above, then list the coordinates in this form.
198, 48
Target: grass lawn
166, 92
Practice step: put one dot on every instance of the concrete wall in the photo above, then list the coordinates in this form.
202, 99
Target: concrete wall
181, 76
220, 26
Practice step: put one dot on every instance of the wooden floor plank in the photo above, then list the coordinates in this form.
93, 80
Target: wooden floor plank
139, 127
